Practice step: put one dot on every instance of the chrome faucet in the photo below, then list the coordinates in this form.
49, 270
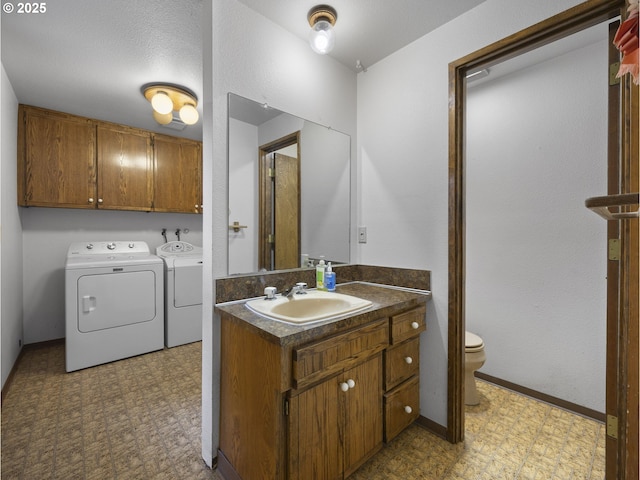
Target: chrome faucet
300, 288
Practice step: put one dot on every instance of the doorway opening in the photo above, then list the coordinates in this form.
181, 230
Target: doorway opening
279, 204
622, 450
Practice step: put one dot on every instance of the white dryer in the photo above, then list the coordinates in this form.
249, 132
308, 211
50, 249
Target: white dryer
113, 302
183, 292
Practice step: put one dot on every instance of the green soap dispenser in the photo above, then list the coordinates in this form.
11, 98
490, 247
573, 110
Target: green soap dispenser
320, 275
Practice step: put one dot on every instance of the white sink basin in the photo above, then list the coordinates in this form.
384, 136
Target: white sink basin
312, 306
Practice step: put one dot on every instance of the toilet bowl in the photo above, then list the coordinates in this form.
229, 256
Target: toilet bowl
474, 358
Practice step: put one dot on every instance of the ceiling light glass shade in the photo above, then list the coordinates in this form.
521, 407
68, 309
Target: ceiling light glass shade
189, 114
163, 118
322, 37
161, 103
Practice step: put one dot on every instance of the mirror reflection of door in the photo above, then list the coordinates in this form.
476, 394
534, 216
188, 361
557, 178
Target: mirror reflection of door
279, 204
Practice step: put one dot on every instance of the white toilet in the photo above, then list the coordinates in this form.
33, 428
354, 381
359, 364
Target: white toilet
474, 358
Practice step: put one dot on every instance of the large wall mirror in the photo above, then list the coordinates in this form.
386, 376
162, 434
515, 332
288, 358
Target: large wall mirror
289, 189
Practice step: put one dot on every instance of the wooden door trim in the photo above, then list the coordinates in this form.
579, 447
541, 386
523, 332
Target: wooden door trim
559, 26
629, 303
613, 266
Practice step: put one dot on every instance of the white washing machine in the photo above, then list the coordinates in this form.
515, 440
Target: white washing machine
183, 292
114, 295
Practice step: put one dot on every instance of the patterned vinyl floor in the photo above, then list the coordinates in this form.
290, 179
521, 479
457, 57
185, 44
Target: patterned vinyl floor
139, 418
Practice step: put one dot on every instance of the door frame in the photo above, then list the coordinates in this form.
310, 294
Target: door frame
266, 196
559, 26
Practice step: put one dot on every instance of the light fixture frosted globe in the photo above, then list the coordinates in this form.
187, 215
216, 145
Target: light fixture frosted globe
189, 114
161, 103
163, 118
322, 37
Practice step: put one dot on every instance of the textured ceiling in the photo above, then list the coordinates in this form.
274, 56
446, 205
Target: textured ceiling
90, 57
366, 30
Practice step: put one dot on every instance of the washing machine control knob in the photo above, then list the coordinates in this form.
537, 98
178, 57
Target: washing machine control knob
111, 246
89, 246
131, 245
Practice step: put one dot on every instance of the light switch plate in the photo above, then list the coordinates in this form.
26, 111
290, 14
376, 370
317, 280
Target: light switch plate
362, 234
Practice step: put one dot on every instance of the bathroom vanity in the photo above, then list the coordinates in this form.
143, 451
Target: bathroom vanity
317, 400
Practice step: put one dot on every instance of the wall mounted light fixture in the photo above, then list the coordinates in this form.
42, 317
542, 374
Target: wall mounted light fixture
322, 18
167, 98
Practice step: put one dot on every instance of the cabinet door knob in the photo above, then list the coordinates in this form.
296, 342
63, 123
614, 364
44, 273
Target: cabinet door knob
90, 199
415, 325
351, 383
99, 200
344, 386
408, 409
409, 360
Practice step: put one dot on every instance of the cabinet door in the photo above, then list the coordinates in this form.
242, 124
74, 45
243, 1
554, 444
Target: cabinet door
57, 160
317, 428
362, 413
178, 175
125, 168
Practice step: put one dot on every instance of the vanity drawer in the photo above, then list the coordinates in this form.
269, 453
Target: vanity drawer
401, 362
408, 324
401, 407
318, 360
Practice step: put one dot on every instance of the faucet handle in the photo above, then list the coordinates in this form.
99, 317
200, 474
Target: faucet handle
270, 292
302, 287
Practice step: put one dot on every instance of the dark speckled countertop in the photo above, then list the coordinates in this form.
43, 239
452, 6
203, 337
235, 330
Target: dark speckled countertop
386, 300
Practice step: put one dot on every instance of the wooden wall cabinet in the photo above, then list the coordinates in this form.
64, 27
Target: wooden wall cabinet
320, 409
125, 168
177, 175
75, 162
56, 159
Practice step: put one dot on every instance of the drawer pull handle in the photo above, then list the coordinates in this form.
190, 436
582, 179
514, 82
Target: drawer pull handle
409, 360
408, 409
415, 325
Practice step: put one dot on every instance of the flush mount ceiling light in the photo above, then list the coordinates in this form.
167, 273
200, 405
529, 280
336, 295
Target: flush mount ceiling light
322, 18
167, 98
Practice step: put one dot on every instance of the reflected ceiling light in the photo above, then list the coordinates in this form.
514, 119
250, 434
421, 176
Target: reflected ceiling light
167, 98
322, 38
478, 74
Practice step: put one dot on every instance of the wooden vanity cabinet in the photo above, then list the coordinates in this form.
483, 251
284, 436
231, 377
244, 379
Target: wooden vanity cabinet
402, 365
336, 425
318, 409
57, 159
177, 175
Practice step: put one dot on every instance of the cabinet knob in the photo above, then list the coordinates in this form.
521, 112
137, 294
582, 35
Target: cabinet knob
415, 325
99, 200
408, 409
409, 360
90, 199
345, 386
